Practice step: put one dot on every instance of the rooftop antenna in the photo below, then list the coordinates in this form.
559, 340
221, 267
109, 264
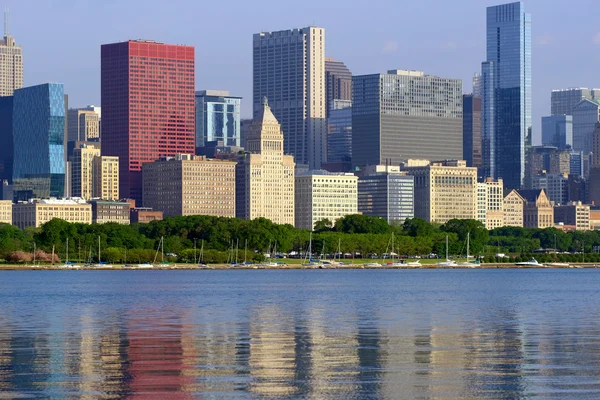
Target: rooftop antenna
6, 30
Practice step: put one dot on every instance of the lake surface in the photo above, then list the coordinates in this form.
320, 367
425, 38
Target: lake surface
318, 334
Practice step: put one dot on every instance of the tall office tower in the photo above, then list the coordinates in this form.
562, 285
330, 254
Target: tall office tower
289, 69
546, 159
339, 135
586, 115
83, 125
506, 93
477, 83
105, 177
264, 176
472, 130
217, 118
6, 138
444, 190
562, 101
38, 129
405, 115
11, 63
148, 106
82, 165
338, 79
385, 191
557, 130
556, 186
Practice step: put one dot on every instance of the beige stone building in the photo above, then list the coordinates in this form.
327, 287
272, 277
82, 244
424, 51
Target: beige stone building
38, 212
574, 213
495, 203
105, 177
265, 176
513, 209
6, 212
538, 211
445, 190
83, 125
190, 185
82, 163
321, 194
11, 64
106, 211
481, 202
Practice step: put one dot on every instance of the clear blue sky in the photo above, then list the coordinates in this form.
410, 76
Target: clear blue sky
61, 39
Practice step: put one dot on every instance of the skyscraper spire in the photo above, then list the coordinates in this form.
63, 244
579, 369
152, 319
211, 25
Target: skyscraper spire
6, 26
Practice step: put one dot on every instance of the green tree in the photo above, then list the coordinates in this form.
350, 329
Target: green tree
358, 223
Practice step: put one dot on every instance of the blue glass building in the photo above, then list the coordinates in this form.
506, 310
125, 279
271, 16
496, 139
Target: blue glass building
557, 130
506, 93
339, 135
38, 137
217, 118
6, 138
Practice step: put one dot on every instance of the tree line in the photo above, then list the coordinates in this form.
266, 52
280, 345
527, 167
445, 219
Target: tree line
218, 236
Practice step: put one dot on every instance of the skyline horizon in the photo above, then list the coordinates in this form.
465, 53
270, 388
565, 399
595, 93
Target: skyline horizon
459, 55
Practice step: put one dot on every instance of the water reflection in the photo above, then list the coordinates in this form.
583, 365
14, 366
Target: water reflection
264, 336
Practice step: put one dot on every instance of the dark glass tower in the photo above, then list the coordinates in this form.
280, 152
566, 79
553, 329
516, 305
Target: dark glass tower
506, 93
38, 137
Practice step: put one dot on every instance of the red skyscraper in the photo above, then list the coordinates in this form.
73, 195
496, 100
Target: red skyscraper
148, 106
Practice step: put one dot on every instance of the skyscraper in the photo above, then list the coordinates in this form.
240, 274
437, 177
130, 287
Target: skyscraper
586, 114
217, 118
289, 69
562, 101
6, 138
338, 79
38, 129
11, 63
506, 93
148, 106
472, 130
264, 175
82, 165
339, 135
405, 115
557, 130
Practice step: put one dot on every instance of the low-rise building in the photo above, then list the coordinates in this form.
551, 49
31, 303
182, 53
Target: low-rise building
513, 209
144, 215
385, 191
105, 211
6, 212
595, 219
444, 190
538, 211
37, 212
574, 213
324, 195
190, 185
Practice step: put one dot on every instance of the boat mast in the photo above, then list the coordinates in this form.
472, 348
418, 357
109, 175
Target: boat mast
67, 256
53, 255
447, 248
98, 249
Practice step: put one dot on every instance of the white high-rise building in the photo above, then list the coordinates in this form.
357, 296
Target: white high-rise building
289, 69
11, 63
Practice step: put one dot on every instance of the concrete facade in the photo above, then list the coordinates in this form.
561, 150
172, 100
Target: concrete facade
321, 194
190, 185
574, 213
82, 165
105, 177
445, 190
11, 65
6, 212
513, 209
104, 212
538, 211
37, 213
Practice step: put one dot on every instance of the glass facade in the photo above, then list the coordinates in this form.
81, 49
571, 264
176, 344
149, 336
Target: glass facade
217, 118
389, 196
472, 130
6, 138
557, 130
339, 138
562, 101
39, 127
338, 79
506, 91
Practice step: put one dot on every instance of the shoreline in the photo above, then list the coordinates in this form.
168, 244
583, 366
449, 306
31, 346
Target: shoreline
225, 267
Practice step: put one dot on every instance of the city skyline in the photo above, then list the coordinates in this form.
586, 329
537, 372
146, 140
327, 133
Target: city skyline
457, 53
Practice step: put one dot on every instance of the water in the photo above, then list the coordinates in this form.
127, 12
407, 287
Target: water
361, 334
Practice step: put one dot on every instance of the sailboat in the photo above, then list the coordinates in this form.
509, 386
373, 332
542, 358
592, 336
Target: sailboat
271, 262
470, 264
395, 262
335, 263
161, 247
34, 265
100, 264
201, 263
310, 262
448, 262
555, 263
68, 265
